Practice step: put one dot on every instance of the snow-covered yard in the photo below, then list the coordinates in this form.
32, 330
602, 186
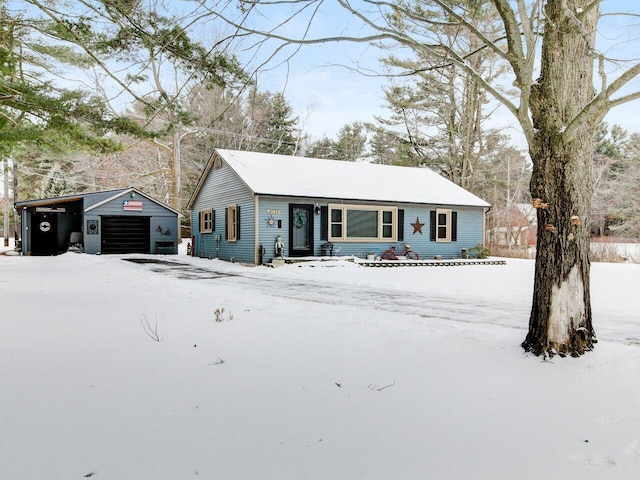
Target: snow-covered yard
323, 372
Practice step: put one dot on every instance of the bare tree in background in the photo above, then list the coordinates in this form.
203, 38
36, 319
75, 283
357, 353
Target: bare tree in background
441, 111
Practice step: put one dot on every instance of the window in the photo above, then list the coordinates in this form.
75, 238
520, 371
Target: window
336, 223
387, 224
444, 225
206, 220
233, 223
362, 223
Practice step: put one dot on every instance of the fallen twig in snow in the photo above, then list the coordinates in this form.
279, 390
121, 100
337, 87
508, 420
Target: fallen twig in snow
218, 362
378, 389
152, 332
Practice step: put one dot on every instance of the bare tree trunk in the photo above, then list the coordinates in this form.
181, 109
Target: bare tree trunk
5, 233
561, 187
17, 231
176, 184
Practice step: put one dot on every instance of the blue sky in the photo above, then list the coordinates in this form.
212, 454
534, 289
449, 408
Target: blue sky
327, 95
317, 80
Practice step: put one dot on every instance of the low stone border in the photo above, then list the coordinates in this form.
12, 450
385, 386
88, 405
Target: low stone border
428, 263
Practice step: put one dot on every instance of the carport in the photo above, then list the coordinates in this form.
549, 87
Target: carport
108, 222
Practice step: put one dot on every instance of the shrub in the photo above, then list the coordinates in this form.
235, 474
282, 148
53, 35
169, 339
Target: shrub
479, 251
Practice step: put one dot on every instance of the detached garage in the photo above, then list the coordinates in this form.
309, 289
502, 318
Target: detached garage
108, 222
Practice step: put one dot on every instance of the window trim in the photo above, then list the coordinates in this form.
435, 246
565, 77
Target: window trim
204, 228
447, 225
232, 223
343, 207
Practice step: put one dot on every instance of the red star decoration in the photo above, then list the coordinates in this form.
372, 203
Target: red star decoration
417, 227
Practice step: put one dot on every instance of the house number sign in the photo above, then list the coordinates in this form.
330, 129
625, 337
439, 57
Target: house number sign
271, 220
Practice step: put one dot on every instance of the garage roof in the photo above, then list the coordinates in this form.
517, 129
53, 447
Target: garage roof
107, 195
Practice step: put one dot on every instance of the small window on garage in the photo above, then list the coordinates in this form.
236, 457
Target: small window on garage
206, 220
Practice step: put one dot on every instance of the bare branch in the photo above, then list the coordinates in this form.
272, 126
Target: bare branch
152, 332
623, 80
603, 103
387, 386
50, 13
621, 100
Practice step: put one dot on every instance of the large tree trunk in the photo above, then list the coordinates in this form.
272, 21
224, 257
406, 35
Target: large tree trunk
561, 186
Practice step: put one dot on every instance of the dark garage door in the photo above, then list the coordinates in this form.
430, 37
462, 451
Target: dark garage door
125, 235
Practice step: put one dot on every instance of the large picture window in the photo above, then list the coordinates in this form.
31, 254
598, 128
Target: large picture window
206, 220
362, 223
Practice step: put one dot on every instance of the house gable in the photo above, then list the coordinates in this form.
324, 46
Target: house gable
222, 214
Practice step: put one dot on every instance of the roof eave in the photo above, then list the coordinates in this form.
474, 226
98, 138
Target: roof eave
354, 199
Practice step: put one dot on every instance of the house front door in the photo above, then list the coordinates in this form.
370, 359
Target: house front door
300, 230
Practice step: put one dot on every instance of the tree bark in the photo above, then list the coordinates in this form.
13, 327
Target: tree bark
561, 185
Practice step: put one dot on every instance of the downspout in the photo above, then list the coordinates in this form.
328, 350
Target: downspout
256, 234
484, 226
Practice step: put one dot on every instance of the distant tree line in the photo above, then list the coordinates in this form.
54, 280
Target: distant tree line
154, 101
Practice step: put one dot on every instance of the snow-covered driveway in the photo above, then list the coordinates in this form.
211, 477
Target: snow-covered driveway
455, 294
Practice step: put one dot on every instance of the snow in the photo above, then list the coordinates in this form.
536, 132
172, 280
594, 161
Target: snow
286, 175
331, 371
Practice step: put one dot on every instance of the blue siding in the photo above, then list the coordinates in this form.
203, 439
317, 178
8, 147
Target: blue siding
278, 210
221, 189
470, 224
163, 223
90, 199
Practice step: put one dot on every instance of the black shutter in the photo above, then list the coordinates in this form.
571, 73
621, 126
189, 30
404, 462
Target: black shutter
400, 225
237, 222
454, 226
226, 223
324, 223
213, 220
432, 226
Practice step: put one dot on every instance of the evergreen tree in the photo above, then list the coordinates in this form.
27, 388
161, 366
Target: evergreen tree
323, 148
616, 178
273, 123
351, 142
349, 145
